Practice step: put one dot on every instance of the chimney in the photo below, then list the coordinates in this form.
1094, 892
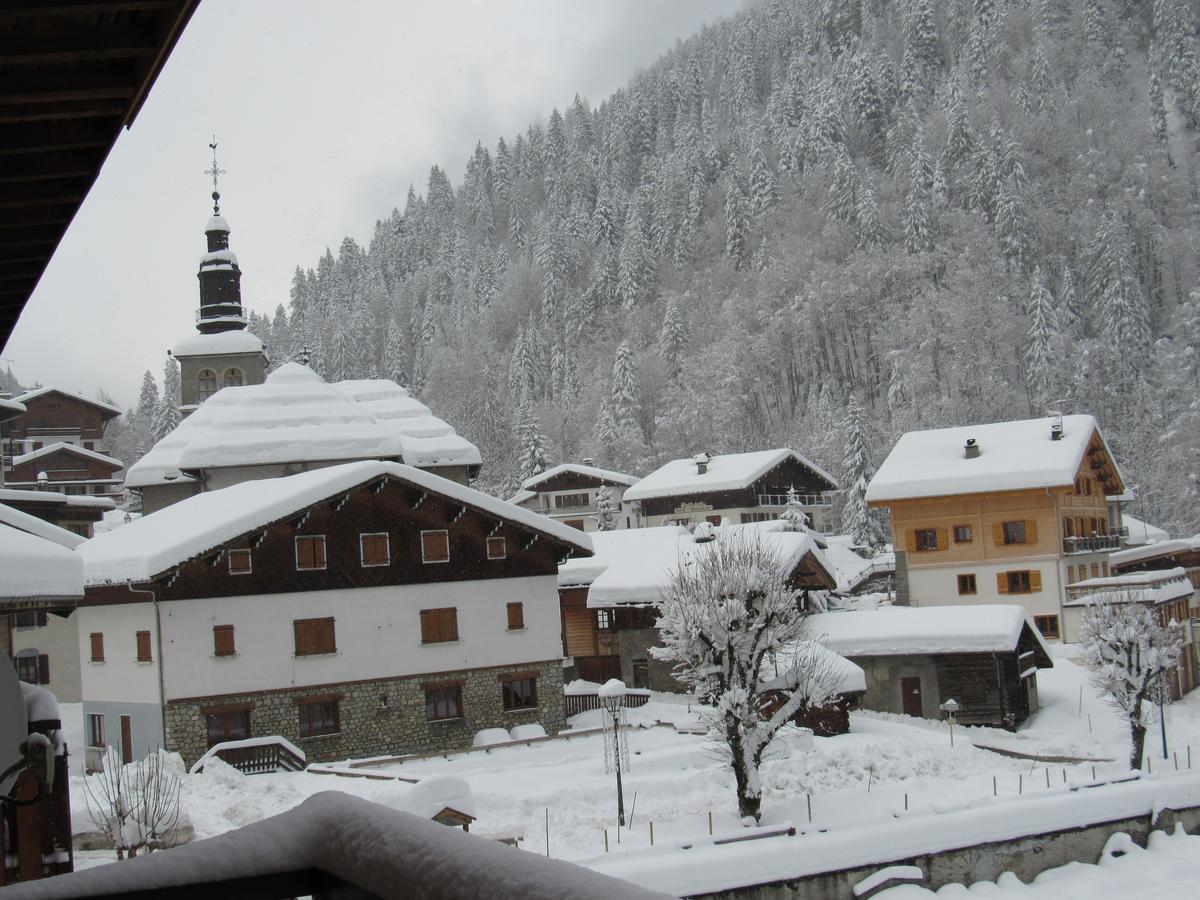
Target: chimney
1056, 431
971, 450
701, 461
588, 461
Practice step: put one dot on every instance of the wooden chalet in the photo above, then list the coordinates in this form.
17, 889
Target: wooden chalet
73, 512
54, 416
984, 657
68, 469
570, 493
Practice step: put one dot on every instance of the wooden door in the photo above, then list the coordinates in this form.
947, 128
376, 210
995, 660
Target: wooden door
126, 739
910, 696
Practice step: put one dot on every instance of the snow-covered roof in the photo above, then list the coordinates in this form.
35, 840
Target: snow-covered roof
33, 567
1156, 586
901, 630
1154, 550
149, 546
10, 409
70, 448
730, 472
226, 343
1012, 456
42, 391
23, 521
295, 416
13, 495
634, 565
1142, 532
522, 496
579, 469
216, 223
850, 676
849, 567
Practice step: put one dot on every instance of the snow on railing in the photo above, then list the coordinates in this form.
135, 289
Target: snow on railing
256, 755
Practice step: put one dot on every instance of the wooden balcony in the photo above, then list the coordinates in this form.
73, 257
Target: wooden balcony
805, 499
255, 756
1097, 543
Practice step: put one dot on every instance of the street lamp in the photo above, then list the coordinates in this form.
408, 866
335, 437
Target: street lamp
950, 707
612, 695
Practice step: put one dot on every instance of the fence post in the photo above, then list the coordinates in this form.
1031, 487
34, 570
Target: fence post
710, 821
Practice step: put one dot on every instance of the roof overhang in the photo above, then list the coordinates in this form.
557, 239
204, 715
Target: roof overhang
73, 73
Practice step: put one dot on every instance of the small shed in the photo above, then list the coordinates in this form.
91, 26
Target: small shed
809, 662
986, 657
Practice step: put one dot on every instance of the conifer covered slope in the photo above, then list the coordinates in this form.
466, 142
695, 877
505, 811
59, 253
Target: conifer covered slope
958, 210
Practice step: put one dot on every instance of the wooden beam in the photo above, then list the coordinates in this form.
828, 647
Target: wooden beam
59, 42
81, 7
44, 166
60, 191
45, 137
115, 81
61, 112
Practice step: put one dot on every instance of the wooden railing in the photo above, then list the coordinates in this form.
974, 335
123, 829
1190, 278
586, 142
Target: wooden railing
574, 704
1093, 544
260, 759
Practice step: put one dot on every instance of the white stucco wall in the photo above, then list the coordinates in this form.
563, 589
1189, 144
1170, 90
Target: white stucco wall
378, 634
938, 586
120, 678
58, 639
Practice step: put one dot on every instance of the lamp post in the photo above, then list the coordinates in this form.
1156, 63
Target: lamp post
1162, 716
950, 707
612, 695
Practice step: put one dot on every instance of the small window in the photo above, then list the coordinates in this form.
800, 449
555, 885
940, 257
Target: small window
227, 725
497, 548
520, 693
571, 501
438, 626
233, 378
374, 549
1014, 532
966, 584
206, 384
1047, 625
435, 546
1070, 574
34, 668
927, 539
516, 616
89, 445
310, 552
95, 730
239, 562
963, 534
1018, 582
1104, 569
97, 640
223, 640
319, 716
604, 621
143, 646
443, 702
314, 636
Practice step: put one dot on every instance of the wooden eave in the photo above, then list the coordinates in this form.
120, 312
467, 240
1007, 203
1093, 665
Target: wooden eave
73, 73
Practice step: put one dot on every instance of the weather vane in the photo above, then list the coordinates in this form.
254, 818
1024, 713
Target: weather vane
215, 172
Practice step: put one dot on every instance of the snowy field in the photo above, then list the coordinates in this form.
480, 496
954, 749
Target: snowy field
557, 792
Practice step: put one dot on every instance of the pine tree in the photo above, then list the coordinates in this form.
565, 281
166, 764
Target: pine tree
166, 414
604, 438
533, 459
394, 355
764, 191
147, 401
918, 231
606, 509
794, 517
624, 386
633, 264
840, 202
737, 225
1040, 342
673, 338
859, 521
871, 233
1011, 225
1158, 111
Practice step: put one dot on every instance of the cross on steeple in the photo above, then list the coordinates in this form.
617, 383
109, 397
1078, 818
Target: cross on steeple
215, 172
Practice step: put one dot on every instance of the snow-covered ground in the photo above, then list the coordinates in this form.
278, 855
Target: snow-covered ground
886, 765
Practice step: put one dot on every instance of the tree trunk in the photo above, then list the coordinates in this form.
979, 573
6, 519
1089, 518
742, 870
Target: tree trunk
747, 805
1137, 733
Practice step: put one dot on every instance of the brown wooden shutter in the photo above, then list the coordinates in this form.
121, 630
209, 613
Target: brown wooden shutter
303, 634
97, 639
516, 616
1031, 534
998, 534
319, 552
1002, 582
303, 553
450, 624
43, 668
143, 646
223, 641
1035, 580
943, 537
327, 640
910, 540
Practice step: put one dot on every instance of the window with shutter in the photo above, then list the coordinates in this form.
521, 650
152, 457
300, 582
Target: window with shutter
516, 616
310, 552
143, 646
1014, 532
927, 539
97, 641
95, 730
1035, 581
497, 548
239, 562
374, 549
1019, 582
439, 626
27, 669
435, 546
314, 636
223, 640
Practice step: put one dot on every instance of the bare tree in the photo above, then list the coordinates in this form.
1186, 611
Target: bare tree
1129, 652
135, 805
727, 615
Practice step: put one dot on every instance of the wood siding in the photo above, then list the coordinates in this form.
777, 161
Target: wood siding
789, 473
579, 623
53, 411
63, 465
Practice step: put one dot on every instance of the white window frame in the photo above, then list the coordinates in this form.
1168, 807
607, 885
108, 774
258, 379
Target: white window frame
249, 556
387, 542
435, 562
504, 544
91, 718
296, 553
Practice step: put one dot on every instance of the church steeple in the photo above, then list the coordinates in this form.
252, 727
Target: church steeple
220, 278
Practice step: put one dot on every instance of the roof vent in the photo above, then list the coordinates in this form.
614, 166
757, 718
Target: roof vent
588, 461
1056, 425
701, 460
971, 450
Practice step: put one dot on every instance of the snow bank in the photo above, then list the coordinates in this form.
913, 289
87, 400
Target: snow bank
430, 796
898, 630
731, 472
1142, 532
527, 732
33, 566
155, 543
486, 737
1155, 550
1012, 456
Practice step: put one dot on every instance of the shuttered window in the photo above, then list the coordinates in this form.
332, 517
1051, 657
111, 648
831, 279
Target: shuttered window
443, 701
239, 562
1020, 531
1021, 582
922, 539
435, 546
374, 549
1047, 625
439, 625
97, 640
314, 636
223, 640
310, 552
497, 548
516, 616
143, 646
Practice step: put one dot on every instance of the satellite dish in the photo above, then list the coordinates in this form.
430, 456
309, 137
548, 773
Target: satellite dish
14, 726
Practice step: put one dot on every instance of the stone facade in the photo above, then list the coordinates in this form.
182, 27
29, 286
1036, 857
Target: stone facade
369, 729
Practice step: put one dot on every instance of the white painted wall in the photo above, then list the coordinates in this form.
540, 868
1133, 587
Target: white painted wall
120, 678
938, 586
58, 639
378, 634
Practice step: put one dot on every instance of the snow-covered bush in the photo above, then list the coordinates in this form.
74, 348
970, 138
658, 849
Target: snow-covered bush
725, 615
1129, 652
136, 805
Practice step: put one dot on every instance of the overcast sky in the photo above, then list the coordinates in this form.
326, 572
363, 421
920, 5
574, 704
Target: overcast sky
324, 113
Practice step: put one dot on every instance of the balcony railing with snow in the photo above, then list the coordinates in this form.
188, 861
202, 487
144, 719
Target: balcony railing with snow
1094, 544
805, 499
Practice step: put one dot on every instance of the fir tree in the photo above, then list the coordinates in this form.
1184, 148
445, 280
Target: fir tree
840, 202
673, 338
764, 191
604, 438
859, 521
737, 225
606, 509
147, 401
394, 355
794, 517
624, 386
633, 264
533, 458
166, 414
1040, 342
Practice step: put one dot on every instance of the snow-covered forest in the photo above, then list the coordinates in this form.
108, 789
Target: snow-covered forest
955, 210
